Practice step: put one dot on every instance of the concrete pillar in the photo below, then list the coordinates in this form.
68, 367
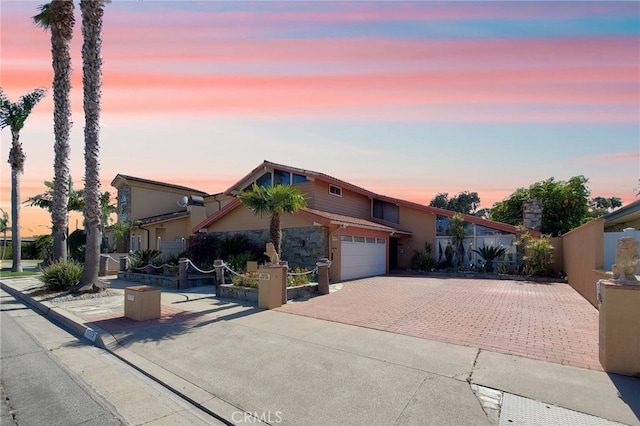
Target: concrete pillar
619, 337
285, 265
323, 276
182, 273
219, 268
102, 269
123, 263
272, 282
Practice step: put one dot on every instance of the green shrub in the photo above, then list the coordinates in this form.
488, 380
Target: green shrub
422, 260
296, 280
59, 276
250, 279
538, 254
142, 258
489, 254
238, 262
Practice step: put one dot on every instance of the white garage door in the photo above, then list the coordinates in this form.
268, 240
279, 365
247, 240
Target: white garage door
363, 257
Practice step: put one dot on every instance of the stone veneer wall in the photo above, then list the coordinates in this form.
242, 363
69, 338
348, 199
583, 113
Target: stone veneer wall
301, 247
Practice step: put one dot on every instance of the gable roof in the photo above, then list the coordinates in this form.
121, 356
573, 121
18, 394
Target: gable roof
242, 183
326, 218
164, 217
128, 179
624, 214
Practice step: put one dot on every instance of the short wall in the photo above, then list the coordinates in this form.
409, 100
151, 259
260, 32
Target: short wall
583, 257
167, 280
250, 294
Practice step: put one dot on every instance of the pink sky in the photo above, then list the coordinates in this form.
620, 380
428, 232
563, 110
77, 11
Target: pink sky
405, 99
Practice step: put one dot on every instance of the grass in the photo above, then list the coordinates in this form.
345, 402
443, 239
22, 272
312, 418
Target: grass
30, 267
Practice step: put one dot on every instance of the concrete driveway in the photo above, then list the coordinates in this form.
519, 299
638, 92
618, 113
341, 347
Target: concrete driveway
549, 322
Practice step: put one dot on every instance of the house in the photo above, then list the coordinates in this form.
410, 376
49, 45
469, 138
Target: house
361, 232
589, 250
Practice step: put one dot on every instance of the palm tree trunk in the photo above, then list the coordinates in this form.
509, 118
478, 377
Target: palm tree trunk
16, 241
92, 11
275, 231
61, 32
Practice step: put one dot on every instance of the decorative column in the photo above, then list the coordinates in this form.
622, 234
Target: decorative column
619, 306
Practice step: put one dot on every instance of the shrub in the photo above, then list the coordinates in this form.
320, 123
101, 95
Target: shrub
250, 279
142, 258
423, 260
202, 249
77, 242
296, 280
489, 254
59, 276
538, 254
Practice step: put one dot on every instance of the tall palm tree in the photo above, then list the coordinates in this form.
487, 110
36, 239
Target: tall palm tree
92, 12
273, 201
57, 16
13, 115
4, 225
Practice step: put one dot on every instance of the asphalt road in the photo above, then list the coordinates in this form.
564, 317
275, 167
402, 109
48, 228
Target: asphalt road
38, 389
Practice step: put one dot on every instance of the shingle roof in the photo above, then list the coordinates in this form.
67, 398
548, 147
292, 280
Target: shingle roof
157, 183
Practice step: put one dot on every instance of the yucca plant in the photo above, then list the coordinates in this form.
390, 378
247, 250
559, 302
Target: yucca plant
60, 275
489, 254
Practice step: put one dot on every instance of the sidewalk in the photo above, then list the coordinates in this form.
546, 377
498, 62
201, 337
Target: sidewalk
248, 365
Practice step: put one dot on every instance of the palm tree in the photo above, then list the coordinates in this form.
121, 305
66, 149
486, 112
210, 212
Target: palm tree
274, 201
92, 12
4, 225
75, 201
57, 16
13, 115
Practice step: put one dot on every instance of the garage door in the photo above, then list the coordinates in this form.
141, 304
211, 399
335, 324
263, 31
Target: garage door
362, 257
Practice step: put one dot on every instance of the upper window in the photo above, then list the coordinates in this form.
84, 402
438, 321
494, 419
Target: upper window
264, 180
386, 211
335, 190
299, 179
281, 177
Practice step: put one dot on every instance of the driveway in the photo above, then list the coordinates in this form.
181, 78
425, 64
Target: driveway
549, 322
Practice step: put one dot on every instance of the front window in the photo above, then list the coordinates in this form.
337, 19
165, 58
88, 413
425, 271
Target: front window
335, 190
386, 211
281, 177
264, 180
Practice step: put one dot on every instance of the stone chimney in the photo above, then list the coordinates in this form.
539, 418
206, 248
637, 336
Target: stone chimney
532, 215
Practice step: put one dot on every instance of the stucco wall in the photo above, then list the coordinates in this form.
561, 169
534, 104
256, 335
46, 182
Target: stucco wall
583, 257
423, 227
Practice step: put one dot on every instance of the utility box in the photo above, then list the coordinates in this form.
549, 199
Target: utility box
620, 328
271, 281
142, 303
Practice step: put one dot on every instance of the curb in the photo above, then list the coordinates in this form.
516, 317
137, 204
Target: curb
102, 339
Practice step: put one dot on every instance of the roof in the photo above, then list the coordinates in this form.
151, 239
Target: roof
326, 218
127, 178
239, 185
624, 214
164, 217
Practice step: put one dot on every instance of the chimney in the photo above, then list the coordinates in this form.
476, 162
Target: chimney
532, 215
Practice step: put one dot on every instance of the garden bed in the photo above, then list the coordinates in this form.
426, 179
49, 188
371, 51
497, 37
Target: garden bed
250, 294
168, 281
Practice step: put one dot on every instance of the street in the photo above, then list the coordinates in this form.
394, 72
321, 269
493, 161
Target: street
51, 377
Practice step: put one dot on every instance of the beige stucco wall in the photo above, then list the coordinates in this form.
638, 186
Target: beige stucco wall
423, 226
243, 219
583, 250
147, 202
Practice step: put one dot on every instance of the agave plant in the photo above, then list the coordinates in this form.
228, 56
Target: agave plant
489, 254
142, 258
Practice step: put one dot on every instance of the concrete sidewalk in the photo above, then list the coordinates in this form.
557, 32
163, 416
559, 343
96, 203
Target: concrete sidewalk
247, 365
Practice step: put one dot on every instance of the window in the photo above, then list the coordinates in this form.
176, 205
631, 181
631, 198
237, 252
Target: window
264, 180
386, 211
281, 177
335, 190
299, 179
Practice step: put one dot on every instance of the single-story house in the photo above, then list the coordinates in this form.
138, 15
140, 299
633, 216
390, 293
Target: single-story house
361, 232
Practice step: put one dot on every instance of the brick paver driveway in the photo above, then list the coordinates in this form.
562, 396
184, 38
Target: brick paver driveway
549, 322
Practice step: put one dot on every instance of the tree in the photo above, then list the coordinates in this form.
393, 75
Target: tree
565, 205
274, 201
602, 205
13, 115
465, 202
75, 201
57, 17
4, 225
92, 12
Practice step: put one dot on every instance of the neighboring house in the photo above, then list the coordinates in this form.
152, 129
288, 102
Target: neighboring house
361, 232
589, 250
157, 212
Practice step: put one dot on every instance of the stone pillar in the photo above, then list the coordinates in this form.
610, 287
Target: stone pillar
323, 276
219, 268
123, 263
532, 215
285, 265
182, 273
104, 261
272, 281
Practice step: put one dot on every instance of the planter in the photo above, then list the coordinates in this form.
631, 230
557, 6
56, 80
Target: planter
230, 291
